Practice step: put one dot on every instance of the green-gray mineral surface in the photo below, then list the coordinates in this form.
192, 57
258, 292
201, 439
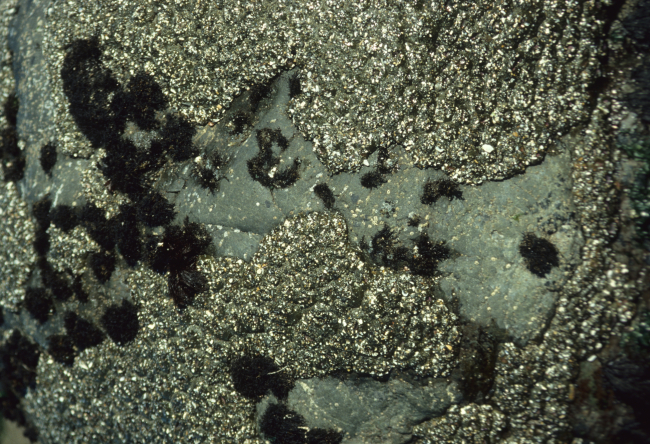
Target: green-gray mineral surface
324, 222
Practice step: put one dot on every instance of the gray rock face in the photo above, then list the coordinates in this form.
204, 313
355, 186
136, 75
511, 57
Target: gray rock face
467, 93
484, 229
490, 277
368, 411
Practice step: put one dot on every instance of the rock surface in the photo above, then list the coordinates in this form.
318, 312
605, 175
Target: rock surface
337, 198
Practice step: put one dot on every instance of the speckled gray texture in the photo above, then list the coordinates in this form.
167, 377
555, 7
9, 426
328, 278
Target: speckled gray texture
479, 89
16, 255
286, 276
308, 300
472, 423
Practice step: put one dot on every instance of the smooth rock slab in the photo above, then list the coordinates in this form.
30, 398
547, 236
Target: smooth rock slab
366, 410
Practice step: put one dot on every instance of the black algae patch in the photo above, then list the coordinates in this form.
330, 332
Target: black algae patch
323, 436
179, 247
184, 285
477, 359
254, 376
13, 160
97, 226
127, 235
177, 138
425, 261
282, 425
177, 253
205, 177
61, 348
121, 322
79, 292
19, 360
41, 212
630, 382
372, 179
384, 163
323, 191
540, 255
38, 303
10, 109
55, 281
41, 242
102, 263
295, 88
48, 157
82, 332
288, 176
139, 101
126, 166
240, 121
263, 168
64, 217
385, 250
155, 211
414, 221
433, 190
216, 160
259, 93
88, 87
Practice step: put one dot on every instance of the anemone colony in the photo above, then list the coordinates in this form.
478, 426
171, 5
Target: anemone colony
101, 108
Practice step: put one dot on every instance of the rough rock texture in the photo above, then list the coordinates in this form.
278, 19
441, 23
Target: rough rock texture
448, 135
483, 89
367, 410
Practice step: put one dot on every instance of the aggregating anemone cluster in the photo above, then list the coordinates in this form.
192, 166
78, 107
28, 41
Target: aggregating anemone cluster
484, 88
121, 322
